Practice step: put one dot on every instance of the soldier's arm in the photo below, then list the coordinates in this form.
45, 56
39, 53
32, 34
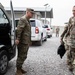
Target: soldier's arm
69, 26
20, 27
64, 32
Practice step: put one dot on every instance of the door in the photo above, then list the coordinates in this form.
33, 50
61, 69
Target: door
33, 27
13, 24
5, 28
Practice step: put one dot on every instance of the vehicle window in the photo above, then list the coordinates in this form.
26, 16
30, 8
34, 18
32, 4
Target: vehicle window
16, 21
32, 23
46, 26
3, 18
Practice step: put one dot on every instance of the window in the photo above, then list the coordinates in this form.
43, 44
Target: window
3, 18
16, 21
45, 26
32, 23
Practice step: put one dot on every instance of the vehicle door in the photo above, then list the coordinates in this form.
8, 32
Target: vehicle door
13, 24
44, 31
13, 29
5, 27
33, 28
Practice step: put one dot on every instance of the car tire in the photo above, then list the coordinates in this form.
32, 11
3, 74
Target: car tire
40, 42
3, 62
49, 36
45, 39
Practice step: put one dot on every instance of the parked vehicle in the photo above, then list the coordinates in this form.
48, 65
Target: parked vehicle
49, 30
7, 51
38, 33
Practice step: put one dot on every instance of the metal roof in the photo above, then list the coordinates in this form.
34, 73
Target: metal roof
24, 8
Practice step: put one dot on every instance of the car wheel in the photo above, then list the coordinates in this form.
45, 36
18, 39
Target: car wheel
45, 39
3, 62
40, 42
49, 36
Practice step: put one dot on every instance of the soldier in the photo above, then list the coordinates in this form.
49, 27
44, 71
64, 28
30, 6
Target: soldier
23, 37
57, 32
71, 41
63, 39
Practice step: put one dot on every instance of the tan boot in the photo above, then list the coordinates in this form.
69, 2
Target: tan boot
70, 68
18, 72
23, 71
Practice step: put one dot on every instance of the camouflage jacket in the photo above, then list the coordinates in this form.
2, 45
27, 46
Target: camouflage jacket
57, 30
71, 26
23, 33
68, 28
65, 31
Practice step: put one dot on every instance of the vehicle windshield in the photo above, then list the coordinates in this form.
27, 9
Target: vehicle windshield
3, 18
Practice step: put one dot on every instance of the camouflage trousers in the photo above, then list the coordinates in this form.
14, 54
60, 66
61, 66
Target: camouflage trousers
22, 54
57, 34
66, 47
70, 56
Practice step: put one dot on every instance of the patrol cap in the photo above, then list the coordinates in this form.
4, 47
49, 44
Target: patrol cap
30, 10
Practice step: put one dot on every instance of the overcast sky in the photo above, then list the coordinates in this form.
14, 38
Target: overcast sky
62, 9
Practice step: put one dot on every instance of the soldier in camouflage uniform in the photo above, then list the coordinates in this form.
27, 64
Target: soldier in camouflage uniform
57, 32
23, 37
63, 39
71, 41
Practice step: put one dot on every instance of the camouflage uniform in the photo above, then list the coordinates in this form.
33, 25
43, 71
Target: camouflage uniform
57, 32
23, 34
63, 36
71, 42
64, 32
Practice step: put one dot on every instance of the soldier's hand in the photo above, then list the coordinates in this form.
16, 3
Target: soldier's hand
16, 42
61, 40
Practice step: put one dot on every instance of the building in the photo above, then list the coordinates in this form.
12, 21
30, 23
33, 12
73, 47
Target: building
40, 12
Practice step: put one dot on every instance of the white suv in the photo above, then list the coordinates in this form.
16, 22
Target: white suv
38, 33
49, 30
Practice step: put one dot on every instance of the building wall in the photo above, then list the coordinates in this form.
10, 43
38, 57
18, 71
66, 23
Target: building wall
20, 14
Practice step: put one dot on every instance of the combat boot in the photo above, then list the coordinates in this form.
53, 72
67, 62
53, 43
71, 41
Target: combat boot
23, 71
18, 72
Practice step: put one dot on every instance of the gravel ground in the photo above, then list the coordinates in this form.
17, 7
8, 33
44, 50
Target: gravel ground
43, 60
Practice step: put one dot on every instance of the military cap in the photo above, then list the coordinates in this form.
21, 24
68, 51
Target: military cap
30, 10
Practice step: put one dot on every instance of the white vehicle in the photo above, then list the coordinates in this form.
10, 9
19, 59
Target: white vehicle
38, 33
7, 51
49, 30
